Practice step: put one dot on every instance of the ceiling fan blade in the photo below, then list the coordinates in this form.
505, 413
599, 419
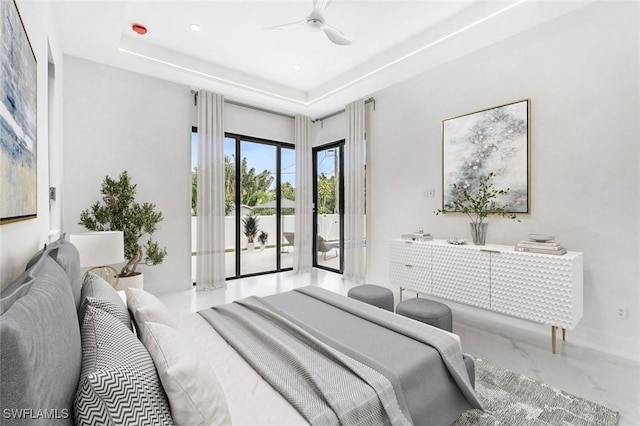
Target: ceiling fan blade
320, 5
285, 26
336, 36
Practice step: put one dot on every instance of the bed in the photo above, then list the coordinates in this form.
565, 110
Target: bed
75, 353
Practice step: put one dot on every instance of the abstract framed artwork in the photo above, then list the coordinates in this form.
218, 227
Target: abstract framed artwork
18, 118
492, 140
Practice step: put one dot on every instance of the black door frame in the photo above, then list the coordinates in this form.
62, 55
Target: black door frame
237, 158
339, 145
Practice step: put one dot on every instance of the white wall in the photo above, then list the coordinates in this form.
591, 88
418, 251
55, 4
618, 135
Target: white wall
330, 130
19, 241
250, 122
118, 120
581, 74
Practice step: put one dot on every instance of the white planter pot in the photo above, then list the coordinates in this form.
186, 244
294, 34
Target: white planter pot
250, 246
135, 281
261, 247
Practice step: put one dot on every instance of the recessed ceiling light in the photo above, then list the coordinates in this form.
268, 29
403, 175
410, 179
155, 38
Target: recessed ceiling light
194, 27
297, 67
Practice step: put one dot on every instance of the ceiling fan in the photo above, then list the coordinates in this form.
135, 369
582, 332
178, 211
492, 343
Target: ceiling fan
315, 22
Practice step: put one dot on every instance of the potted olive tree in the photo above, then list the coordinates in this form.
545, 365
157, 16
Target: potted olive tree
250, 223
478, 205
119, 211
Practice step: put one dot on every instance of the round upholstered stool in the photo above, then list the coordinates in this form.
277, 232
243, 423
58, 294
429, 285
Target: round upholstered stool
427, 311
373, 295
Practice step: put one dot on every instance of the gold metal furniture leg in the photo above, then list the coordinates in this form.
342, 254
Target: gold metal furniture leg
401, 293
564, 334
553, 339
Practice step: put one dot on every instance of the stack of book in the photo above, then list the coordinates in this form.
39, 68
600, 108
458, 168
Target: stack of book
544, 247
417, 236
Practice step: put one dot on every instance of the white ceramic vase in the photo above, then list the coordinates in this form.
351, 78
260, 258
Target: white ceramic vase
134, 281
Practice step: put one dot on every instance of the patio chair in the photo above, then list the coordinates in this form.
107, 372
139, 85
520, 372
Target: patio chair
323, 247
289, 236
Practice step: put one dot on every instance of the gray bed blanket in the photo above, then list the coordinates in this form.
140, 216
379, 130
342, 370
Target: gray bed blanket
429, 381
325, 386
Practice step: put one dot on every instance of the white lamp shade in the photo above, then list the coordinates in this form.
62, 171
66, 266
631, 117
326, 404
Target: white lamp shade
99, 248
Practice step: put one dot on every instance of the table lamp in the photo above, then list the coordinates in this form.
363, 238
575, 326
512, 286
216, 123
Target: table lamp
98, 250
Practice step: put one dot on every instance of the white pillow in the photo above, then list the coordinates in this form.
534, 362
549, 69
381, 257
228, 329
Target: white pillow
195, 395
146, 307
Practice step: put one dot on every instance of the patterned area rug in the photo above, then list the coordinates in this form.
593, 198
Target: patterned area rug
512, 399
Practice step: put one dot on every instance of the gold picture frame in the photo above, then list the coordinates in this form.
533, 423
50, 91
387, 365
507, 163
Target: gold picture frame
18, 119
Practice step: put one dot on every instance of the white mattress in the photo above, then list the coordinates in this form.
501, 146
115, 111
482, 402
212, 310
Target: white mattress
251, 400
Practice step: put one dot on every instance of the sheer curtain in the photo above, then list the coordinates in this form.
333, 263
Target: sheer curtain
210, 266
303, 228
354, 179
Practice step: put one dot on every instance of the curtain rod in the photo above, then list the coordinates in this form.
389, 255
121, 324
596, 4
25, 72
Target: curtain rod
268, 111
367, 101
281, 114
227, 101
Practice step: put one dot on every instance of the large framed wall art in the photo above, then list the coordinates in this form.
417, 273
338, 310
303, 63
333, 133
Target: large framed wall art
18, 118
492, 140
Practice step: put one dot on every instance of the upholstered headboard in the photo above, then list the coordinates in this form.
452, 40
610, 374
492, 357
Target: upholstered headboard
68, 354
41, 349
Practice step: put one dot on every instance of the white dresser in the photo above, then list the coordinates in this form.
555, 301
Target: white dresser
543, 288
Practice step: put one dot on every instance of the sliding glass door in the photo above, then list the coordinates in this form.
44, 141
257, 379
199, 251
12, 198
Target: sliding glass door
257, 209
328, 220
259, 192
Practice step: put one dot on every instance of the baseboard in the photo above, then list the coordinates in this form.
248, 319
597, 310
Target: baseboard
587, 338
610, 344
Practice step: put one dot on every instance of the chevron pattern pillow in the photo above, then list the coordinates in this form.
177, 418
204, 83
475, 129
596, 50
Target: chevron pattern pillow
98, 293
118, 384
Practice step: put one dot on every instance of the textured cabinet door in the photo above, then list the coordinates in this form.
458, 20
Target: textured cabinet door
410, 265
541, 288
537, 287
410, 277
461, 274
413, 253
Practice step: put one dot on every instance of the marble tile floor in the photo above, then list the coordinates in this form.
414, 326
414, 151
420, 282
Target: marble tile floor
593, 375
602, 378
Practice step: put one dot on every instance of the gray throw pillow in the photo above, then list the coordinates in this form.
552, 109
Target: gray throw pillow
67, 256
118, 384
98, 293
40, 353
